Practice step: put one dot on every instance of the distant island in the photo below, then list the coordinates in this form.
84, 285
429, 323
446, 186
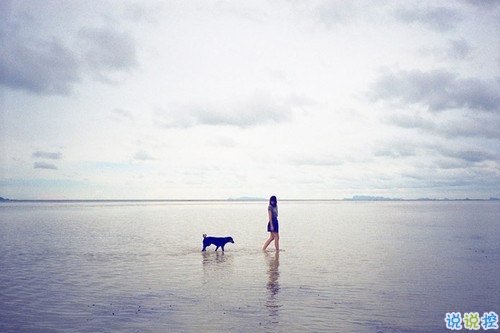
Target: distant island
371, 198
377, 198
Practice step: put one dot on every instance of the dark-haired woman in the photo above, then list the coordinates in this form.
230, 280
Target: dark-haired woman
272, 225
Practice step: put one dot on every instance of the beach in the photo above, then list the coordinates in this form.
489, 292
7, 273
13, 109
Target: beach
343, 266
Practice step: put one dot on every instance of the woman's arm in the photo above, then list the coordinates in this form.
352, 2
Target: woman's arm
270, 213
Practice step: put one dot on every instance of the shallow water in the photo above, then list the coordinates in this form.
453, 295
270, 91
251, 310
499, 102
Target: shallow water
344, 266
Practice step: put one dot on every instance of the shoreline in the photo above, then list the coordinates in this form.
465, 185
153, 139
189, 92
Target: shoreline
4, 200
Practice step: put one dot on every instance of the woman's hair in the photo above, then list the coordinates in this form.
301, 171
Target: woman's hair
271, 199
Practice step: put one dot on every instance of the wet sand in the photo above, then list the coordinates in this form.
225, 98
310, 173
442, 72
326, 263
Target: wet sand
344, 266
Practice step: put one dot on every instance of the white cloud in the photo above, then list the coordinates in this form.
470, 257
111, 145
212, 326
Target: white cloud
47, 155
54, 62
44, 165
143, 156
41, 67
440, 19
459, 49
107, 50
438, 90
261, 108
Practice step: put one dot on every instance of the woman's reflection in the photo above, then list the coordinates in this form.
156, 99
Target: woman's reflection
273, 285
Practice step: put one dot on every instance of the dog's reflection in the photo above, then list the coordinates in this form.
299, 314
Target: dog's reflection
216, 266
210, 258
273, 285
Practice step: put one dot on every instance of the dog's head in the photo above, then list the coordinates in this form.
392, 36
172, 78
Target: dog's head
229, 239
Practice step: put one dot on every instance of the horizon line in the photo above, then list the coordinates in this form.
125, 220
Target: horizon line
251, 199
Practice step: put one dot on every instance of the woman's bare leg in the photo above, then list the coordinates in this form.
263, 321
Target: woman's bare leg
276, 240
268, 241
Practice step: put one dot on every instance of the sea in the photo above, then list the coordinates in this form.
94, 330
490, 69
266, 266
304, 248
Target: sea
343, 266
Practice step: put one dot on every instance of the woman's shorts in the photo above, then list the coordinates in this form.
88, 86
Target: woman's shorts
275, 226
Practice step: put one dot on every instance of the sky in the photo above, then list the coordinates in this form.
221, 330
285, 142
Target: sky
200, 99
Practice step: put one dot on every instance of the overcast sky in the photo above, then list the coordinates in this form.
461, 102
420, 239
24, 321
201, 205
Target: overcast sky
217, 99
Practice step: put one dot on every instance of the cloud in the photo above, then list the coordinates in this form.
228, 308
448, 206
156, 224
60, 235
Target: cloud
464, 125
484, 4
147, 12
459, 49
47, 155
453, 49
483, 125
28, 62
323, 160
438, 90
121, 114
259, 109
41, 63
143, 156
37, 66
469, 156
44, 165
435, 18
396, 150
333, 12
446, 179
106, 49
411, 121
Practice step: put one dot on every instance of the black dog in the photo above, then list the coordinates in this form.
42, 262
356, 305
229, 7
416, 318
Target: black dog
217, 241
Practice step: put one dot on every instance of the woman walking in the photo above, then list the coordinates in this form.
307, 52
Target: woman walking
272, 225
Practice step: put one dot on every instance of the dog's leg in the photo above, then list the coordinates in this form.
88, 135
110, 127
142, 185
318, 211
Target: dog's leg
216, 248
222, 246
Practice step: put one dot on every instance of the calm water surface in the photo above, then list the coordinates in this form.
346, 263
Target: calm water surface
344, 266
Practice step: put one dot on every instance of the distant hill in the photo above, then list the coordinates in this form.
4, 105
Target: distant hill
378, 198
371, 198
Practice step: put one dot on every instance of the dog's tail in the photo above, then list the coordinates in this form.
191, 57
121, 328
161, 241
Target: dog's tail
204, 236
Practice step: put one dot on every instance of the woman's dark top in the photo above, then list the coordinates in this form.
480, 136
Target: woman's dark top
274, 219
